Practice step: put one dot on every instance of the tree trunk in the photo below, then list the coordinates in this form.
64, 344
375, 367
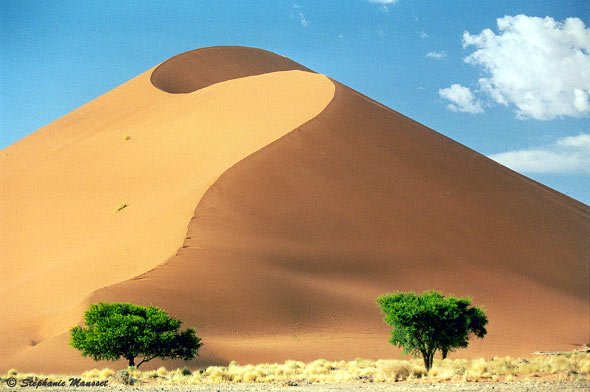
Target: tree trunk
427, 363
428, 359
131, 361
424, 358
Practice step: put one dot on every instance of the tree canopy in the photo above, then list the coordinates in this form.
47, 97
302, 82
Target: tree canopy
426, 323
115, 330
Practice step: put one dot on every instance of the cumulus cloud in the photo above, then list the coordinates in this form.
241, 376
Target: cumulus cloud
462, 99
539, 65
569, 155
436, 55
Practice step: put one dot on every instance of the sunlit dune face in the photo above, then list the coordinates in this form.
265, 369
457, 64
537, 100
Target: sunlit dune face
106, 193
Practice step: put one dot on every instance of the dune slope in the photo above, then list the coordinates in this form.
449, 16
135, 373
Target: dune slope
287, 250
154, 151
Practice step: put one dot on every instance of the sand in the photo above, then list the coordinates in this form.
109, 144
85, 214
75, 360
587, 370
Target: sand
61, 238
268, 206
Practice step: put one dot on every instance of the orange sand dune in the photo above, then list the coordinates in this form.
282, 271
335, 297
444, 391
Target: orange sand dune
61, 238
336, 200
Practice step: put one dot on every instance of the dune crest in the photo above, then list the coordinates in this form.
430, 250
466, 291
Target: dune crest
199, 68
136, 145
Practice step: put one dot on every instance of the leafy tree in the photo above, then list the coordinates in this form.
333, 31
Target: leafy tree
115, 330
429, 322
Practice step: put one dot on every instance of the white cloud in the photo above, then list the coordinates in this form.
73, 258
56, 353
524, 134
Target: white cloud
297, 14
462, 99
383, 3
423, 35
539, 65
569, 155
436, 55
302, 20
580, 141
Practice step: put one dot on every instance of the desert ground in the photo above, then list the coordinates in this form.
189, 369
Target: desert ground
269, 206
543, 371
508, 387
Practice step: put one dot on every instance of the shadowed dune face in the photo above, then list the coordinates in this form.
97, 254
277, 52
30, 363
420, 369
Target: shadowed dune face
61, 237
197, 69
287, 250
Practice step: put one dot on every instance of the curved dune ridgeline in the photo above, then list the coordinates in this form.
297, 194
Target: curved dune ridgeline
197, 69
311, 201
61, 237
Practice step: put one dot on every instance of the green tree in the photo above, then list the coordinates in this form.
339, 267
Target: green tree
115, 330
423, 324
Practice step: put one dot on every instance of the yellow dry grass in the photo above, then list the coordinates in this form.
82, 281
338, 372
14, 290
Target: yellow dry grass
561, 367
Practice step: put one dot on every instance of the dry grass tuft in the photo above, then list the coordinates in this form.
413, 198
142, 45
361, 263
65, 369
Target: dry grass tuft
106, 373
161, 371
560, 367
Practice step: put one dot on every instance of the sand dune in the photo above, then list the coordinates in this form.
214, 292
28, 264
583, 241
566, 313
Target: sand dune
61, 238
311, 200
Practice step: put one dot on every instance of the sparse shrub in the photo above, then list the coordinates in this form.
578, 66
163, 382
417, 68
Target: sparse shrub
186, 372
127, 137
124, 377
161, 371
121, 206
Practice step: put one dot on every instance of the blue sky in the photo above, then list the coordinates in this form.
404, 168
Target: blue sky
508, 79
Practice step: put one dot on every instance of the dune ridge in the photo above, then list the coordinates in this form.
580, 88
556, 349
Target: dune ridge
199, 68
158, 153
288, 248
